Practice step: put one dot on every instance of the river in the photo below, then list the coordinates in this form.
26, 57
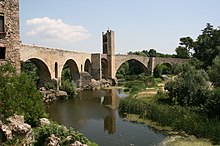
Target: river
95, 114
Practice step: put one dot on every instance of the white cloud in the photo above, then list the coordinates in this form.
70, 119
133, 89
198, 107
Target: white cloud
56, 30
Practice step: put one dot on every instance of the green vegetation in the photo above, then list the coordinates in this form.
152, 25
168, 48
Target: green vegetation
67, 83
31, 70
178, 117
152, 53
18, 94
69, 87
189, 88
67, 136
191, 102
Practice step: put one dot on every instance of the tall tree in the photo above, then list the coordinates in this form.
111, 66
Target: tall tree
207, 45
186, 44
152, 53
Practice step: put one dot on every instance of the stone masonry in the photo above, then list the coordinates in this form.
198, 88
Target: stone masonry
50, 61
9, 34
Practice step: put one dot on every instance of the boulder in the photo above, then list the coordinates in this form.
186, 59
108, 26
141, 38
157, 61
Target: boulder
53, 141
164, 77
44, 121
77, 143
16, 126
61, 95
7, 130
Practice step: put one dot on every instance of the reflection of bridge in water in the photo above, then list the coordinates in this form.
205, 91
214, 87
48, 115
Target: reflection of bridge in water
110, 100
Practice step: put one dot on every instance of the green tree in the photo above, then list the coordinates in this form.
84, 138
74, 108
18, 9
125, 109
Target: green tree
152, 53
182, 52
158, 71
214, 72
19, 95
207, 45
31, 70
186, 44
190, 87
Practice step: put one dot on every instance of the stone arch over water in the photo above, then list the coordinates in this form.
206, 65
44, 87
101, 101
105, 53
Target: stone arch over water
44, 73
74, 71
143, 67
88, 66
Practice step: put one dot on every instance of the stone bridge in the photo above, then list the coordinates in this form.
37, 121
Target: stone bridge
51, 62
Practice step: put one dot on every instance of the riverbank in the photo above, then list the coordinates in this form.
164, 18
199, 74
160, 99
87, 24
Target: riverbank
174, 138
146, 109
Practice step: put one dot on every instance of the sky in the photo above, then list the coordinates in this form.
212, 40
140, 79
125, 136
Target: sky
138, 24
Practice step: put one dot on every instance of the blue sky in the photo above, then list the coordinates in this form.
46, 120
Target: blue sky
138, 24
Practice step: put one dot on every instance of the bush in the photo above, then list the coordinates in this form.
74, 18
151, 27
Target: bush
69, 87
51, 85
151, 82
19, 95
67, 136
159, 69
212, 106
180, 118
190, 87
119, 76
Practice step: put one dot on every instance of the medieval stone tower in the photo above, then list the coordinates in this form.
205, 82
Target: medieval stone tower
108, 39
9, 32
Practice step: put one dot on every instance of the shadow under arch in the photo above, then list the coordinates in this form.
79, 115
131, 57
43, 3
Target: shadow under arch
44, 73
133, 64
74, 71
168, 68
88, 66
104, 65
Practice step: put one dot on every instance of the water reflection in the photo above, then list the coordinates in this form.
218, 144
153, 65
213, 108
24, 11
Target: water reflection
94, 113
110, 123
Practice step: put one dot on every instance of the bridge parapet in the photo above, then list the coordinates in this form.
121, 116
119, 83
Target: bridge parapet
172, 61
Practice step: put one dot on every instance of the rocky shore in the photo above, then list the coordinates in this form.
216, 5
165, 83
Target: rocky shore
15, 129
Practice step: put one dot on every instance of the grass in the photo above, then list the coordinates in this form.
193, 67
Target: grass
177, 118
185, 141
174, 139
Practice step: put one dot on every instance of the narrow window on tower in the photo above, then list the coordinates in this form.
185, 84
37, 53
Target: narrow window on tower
2, 52
2, 23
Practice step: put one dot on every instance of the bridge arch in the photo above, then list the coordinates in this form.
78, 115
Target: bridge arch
44, 73
88, 66
74, 71
105, 68
142, 65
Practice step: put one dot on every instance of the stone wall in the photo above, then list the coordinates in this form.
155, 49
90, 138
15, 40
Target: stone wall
10, 36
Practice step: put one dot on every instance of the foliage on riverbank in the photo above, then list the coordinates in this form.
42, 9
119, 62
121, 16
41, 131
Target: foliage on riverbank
66, 136
19, 95
179, 118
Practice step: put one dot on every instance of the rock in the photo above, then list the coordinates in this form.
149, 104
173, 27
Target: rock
7, 132
93, 85
77, 143
164, 77
61, 95
16, 119
53, 141
16, 126
44, 121
51, 95
42, 89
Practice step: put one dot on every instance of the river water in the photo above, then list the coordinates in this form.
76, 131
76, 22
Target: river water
95, 114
